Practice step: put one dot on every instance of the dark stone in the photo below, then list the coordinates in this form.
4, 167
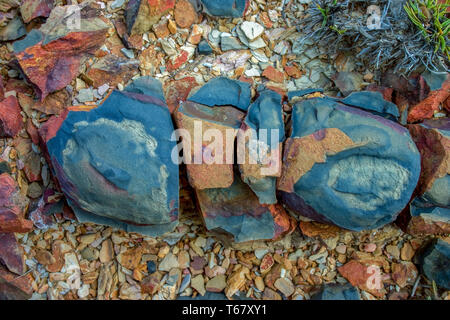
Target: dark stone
223, 91
225, 8
204, 48
348, 167
337, 292
260, 171
123, 148
151, 266
434, 261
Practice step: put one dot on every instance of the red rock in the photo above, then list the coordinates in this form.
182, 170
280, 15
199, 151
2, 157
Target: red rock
243, 78
426, 108
11, 121
178, 90
32, 132
112, 70
404, 273
32, 166
385, 91
150, 284
363, 276
13, 287
12, 207
266, 263
2, 89
161, 30
185, 14
30, 9
18, 86
293, 71
401, 295
177, 61
264, 17
196, 34
52, 66
273, 74
11, 253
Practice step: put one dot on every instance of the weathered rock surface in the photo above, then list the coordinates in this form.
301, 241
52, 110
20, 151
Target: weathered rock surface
11, 253
13, 287
337, 292
30, 9
236, 212
262, 134
223, 91
112, 70
13, 205
208, 165
345, 166
11, 121
141, 15
50, 57
123, 148
225, 8
434, 261
430, 210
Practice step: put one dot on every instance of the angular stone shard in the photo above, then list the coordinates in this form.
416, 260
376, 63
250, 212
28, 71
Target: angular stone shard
223, 91
335, 291
51, 56
14, 29
348, 167
235, 212
11, 121
225, 8
13, 205
112, 70
260, 142
141, 15
434, 261
430, 210
13, 287
11, 253
209, 165
123, 150
30, 9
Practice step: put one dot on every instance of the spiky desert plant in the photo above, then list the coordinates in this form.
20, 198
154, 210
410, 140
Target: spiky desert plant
398, 43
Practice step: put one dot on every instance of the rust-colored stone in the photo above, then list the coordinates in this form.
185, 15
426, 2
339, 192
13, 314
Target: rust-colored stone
185, 14
11, 121
178, 90
273, 74
316, 229
11, 253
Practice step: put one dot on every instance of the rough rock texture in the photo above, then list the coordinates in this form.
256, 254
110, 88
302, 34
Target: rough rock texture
10, 118
11, 253
13, 287
201, 161
434, 261
363, 166
236, 212
222, 91
112, 70
334, 291
30, 9
50, 57
123, 148
262, 165
14, 28
225, 8
141, 15
430, 210
178, 90
13, 205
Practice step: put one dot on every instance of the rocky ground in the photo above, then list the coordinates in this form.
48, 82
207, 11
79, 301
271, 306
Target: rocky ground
52, 256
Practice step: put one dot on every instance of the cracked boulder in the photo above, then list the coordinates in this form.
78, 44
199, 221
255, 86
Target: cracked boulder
235, 214
50, 57
345, 166
430, 210
113, 162
209, 165
261, 137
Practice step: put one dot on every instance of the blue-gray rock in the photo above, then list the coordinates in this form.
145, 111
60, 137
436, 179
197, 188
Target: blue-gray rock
204, 48
434, 262
222, 91
335, 291
113, 162
264, 114
225, 8
348, 167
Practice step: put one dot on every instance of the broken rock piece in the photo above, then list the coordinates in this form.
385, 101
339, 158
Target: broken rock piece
363, 167
235, 212
30, 9
262, 134
222, 91
434, 260
225, 8
11, 121
336, 291
13, 205
50, 57
141, 15
112, 70
122, 149
430, 210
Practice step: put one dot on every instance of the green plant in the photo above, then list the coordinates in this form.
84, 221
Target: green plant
430, 17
